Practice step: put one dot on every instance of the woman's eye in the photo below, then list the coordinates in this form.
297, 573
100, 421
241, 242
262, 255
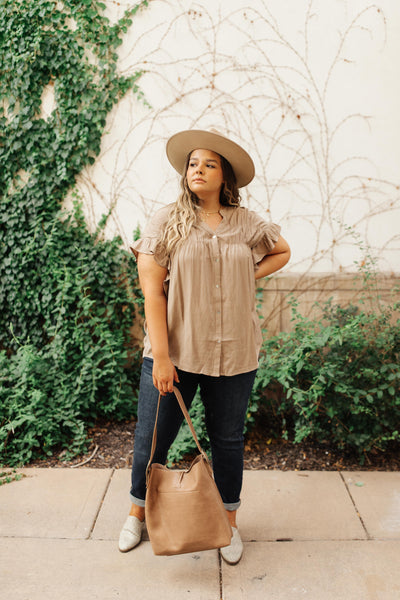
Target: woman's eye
194, 165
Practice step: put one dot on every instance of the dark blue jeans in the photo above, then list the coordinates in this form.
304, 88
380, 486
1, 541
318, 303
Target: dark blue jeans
225, 402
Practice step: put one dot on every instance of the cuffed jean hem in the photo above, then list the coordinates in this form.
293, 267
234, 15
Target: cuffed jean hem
137, 501
232, 506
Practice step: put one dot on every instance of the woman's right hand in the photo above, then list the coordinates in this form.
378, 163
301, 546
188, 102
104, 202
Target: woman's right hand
164, 375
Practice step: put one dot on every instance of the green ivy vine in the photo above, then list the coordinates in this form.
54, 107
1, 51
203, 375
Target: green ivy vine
67, 297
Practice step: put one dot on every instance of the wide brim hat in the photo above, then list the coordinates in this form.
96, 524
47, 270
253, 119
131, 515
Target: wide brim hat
180, 145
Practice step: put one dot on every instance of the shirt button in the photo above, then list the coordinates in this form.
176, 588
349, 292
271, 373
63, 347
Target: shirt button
218, 341
214, 236
217, 286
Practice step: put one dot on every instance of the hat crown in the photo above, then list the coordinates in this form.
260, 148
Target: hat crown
180, 145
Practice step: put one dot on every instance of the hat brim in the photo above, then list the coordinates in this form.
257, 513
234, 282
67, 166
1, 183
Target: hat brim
180, 145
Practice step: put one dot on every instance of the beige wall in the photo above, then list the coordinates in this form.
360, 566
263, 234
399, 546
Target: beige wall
310, 87
307, 289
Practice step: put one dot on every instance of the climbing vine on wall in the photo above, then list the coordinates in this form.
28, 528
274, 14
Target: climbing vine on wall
66, 296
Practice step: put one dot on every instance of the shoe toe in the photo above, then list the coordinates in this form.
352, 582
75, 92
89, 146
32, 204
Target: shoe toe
233, 553
131, 534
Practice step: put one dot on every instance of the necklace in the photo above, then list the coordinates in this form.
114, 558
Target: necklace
207, 214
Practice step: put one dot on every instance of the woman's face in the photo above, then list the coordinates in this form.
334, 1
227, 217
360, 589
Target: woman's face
204, 173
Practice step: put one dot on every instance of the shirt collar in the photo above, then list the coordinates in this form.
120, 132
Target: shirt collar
227, 211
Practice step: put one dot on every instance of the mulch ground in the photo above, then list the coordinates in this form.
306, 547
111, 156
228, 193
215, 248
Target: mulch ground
112, 444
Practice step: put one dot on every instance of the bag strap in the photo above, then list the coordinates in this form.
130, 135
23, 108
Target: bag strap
181, 403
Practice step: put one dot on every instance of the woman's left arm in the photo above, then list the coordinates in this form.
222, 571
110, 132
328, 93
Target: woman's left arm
274, 261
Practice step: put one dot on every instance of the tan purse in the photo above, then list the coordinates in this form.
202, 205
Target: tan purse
184, 510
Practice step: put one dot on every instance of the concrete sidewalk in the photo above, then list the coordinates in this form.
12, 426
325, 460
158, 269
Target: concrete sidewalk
314, 535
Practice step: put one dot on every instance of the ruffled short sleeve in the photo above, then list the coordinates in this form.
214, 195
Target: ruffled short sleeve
262, 236
148, 243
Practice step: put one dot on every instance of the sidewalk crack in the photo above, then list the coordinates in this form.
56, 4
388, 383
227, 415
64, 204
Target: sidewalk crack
100, 505
221, 584
369, 537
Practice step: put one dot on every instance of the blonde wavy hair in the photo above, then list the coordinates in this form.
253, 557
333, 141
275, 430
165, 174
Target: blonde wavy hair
186, 210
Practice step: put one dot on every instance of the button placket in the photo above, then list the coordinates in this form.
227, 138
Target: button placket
216, 268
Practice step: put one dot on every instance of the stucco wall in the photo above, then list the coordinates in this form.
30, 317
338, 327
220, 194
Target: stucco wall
311, 89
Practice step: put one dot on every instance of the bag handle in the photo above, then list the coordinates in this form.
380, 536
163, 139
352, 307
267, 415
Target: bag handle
181, 403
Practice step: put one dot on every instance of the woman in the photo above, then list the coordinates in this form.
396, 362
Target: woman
198, 260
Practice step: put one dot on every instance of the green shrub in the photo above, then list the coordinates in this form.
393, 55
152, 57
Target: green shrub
338, 377
73, 360
334, 378
68, 297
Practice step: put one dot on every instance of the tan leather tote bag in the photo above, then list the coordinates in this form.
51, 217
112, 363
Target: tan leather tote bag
184, 510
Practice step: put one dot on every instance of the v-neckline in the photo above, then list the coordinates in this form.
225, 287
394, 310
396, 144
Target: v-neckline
211, 228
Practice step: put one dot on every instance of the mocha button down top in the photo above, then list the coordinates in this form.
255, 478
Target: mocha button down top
213, 327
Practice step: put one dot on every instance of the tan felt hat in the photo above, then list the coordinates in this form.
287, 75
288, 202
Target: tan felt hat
184, 142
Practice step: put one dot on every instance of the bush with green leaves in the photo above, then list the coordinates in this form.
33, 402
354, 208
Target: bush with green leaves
337, 376
68, 297
83, 367
334, 378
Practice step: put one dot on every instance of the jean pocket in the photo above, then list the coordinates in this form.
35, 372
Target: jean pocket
147, 365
